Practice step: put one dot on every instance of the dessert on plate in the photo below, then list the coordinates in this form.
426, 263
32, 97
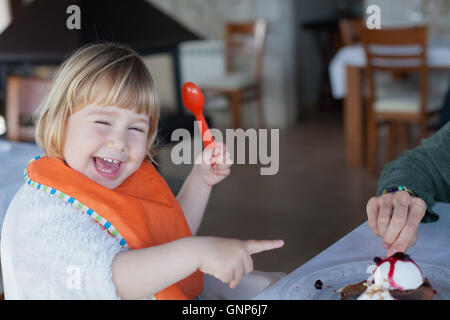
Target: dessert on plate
397, 277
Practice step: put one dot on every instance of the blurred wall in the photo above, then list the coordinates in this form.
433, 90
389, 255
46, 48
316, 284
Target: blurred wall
207, 17
308, 62
435, 13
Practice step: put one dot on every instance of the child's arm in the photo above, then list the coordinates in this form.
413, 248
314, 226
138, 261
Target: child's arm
193, 198
59, 253
144, 272
194, 194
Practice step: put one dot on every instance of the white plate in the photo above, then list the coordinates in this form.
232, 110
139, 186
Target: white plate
336, 275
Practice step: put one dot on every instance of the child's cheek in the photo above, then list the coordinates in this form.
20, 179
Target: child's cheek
138, 142
96, 132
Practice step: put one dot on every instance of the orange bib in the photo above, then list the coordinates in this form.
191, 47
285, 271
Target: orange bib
140, 213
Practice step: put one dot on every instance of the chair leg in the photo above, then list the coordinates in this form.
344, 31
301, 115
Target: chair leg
372, 143
235, 101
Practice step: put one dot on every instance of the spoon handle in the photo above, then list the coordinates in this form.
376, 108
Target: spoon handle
206, 134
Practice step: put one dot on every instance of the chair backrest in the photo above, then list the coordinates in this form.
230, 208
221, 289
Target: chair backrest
396, 50
245, 39
349, 30
22, 99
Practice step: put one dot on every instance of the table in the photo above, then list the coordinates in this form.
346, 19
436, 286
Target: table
433, 246
345, 72
13, 160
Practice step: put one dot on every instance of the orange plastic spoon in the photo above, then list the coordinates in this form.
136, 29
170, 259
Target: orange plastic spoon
193, 100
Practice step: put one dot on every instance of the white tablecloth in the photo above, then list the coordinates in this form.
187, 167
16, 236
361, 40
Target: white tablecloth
13, 159
438, 57
433, 246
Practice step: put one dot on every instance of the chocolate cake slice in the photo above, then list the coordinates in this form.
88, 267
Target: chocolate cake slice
353, 291
424, 292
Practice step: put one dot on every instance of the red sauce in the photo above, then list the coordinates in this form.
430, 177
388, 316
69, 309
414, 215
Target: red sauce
399, 256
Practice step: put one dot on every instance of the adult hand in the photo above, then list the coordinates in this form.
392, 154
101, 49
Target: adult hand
395, 217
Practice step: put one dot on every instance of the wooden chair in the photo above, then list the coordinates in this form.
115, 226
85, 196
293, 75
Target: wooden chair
242, 41
401, 104
349, 30
22, 99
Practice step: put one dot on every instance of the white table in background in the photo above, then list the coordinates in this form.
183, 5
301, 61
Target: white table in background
433, 246
438, 58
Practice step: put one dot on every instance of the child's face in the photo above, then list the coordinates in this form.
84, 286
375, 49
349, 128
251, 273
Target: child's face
106, 144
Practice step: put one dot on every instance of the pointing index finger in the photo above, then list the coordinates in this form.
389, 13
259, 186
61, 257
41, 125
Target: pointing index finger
256, 246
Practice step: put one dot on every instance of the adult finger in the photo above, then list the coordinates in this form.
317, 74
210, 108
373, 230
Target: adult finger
372, 210
408, 235
412, 241
256, 246
384, 214
400, 201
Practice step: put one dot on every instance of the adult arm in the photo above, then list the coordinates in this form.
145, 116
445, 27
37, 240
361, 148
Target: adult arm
425, 170
395, 217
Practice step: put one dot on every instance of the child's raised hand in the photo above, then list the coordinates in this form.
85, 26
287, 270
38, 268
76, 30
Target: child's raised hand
230, 259
395, 218
213, 165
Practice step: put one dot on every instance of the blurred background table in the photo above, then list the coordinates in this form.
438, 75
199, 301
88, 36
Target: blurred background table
432, 247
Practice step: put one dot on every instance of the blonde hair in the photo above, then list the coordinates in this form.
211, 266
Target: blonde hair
106, 74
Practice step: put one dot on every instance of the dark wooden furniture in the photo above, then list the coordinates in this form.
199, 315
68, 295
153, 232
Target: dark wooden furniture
349, 30
23, 98
397, 108
242, 41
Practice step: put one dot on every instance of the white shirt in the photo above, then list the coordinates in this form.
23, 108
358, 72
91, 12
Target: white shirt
52, 250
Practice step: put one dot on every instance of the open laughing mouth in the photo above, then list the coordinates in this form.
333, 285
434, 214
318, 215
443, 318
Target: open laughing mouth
107, 167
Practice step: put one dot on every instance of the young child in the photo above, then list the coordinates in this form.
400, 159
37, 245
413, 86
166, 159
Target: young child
94, 219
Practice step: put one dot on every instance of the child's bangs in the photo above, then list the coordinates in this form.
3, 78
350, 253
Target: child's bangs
124, 86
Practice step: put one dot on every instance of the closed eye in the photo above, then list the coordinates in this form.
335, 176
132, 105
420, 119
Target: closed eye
102, 122
138, 129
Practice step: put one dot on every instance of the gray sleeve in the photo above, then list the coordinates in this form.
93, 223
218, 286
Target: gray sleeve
425, 169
